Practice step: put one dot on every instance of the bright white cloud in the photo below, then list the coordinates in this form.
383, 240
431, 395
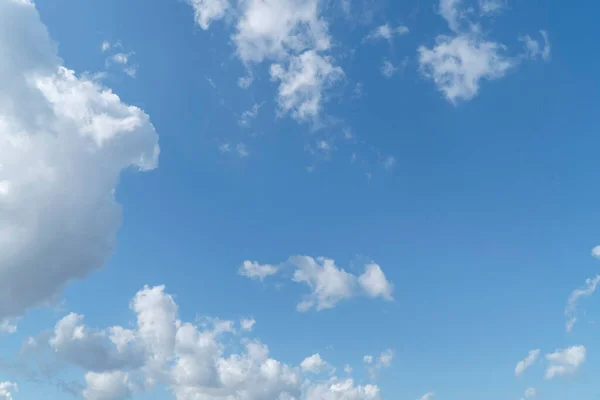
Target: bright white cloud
254, 270
330, 284
6, 390
571, 309
64, 141
528, 361
386, 32
596, 252
197, 363
427, 396
301, 84
292, 36
105, 46
534, 49
565, 361
206, 11
247, 324
106, 386
458, 64
529, 393
314, 364
374, 282
275, 29
388, 69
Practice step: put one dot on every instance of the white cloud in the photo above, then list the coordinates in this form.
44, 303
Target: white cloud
121, 58
529, 393
301, 84
292, 36
535, 49
374, 282
242, 150
571, 309
388, 69
247, 324
105, 46
528, 361
565, 361
314, 364
347, 369
459, 63
384, 360
331, 285
106, 386
206, 11
196, 363
275, 29
368, 359
6, 389
427, 396
596, 252
491, 6
250, 114
387, 32
7, 326
254, 270
64, 141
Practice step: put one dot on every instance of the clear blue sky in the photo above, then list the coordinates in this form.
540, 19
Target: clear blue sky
475, 193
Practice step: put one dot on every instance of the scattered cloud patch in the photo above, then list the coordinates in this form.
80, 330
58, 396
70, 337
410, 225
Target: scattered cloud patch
254, 270
427, 396
388, 69
529, 393
565, 361
207, 11
387, 32
571, 309
247, 324
491, 7
535, 49
384, 360
248, 115
596, 252
528, 361
6, 390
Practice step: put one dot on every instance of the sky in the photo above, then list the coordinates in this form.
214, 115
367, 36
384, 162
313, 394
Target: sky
298, 200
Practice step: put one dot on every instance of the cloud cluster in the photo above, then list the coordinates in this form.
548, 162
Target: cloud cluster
458, 63
193, 361
571, 309
6, 390
565, 361
386, 32
64, 141
328, 284
292, 36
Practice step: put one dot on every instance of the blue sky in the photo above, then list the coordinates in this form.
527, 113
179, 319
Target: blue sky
397, 198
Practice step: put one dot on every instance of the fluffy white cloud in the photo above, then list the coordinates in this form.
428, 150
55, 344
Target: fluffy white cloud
106, 386
254, 270
195, 362
458, 63
330, 284
275, 29
301, 83
247, 324
535, 49
6, 389
427, 396
388, 69
97, 351
529, 393
292, 36
314, 364
206, 11
565, 361
64, 141
571, 309
386, 32
596, 252
528, 361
